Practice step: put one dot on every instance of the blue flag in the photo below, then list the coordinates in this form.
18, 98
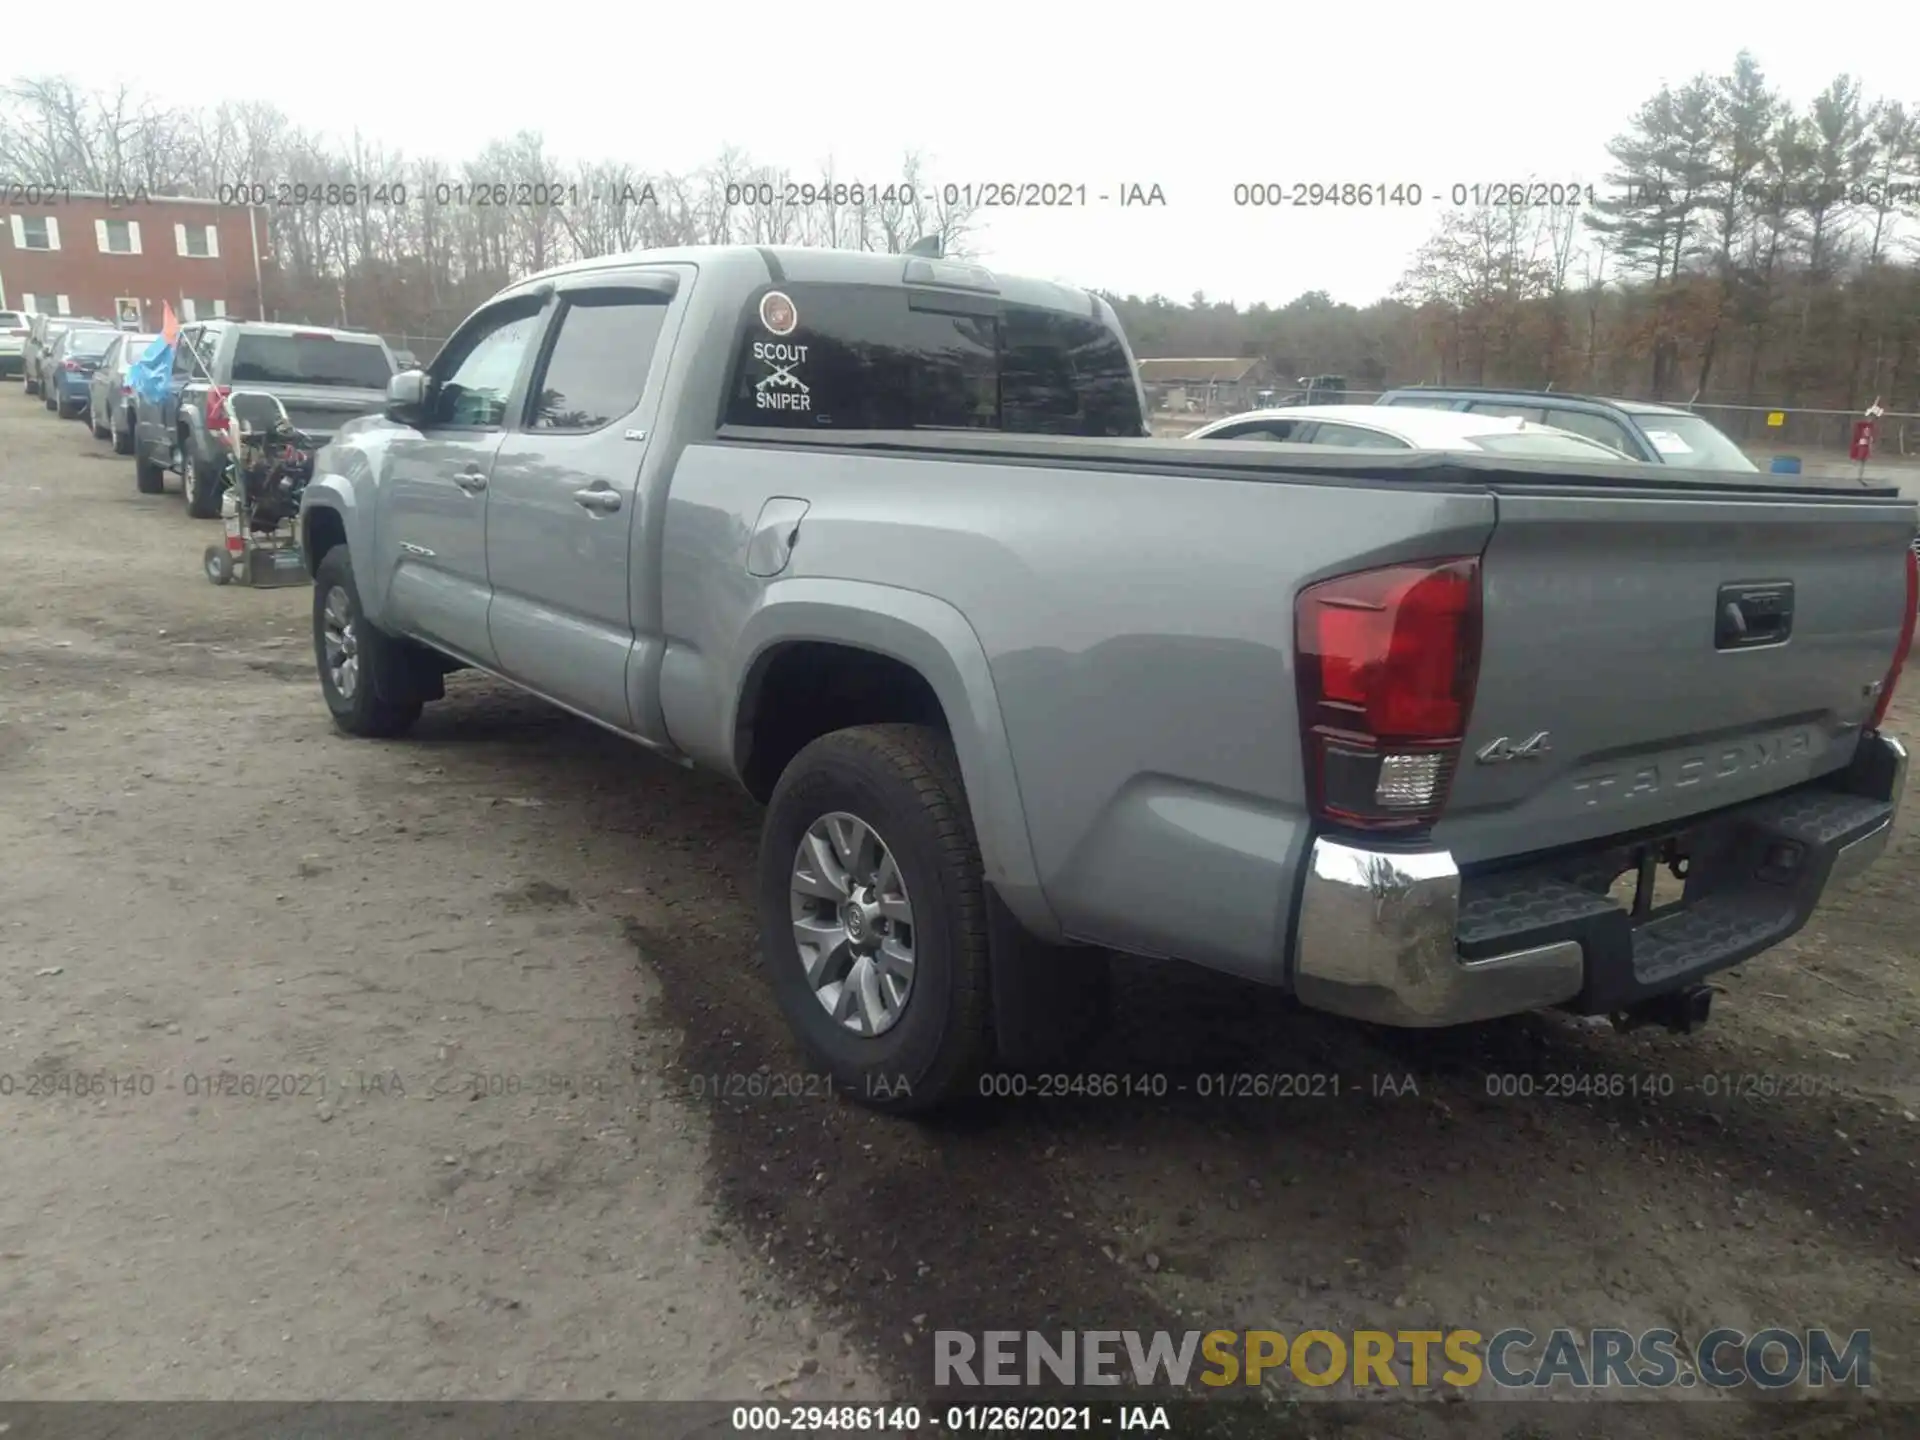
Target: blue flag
151, 374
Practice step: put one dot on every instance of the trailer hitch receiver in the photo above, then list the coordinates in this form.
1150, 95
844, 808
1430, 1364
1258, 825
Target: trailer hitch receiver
1682, 1011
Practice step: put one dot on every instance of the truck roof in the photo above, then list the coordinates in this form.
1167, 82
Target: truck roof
277, 327
749, 266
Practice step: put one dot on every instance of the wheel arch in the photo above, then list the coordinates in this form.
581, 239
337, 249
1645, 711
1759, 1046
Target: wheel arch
836, 653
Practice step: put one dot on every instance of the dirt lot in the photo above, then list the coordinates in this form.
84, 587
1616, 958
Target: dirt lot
466, 987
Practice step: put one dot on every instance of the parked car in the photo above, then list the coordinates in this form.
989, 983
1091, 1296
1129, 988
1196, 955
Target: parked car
1657, 434
70, 365
1367, 427
110, 397
43, 335
323, 378
1019, 687
14, 326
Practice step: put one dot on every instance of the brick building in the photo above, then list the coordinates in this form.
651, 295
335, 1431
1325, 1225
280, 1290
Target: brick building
112, 255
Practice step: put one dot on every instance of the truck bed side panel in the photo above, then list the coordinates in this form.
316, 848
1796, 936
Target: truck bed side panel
1139, 631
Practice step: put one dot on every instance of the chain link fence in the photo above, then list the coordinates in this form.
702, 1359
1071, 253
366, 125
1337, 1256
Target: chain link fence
1775, 430
1763, 431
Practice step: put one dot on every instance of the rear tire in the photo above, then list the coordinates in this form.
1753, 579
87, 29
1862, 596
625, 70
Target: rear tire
148, 478
356, 660
203, 481
122, 439
100, 432
903, 783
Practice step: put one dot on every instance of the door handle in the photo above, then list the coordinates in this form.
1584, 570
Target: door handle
471, 481
604, 501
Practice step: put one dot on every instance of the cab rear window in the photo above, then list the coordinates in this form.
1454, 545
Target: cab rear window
313, 359
862, 357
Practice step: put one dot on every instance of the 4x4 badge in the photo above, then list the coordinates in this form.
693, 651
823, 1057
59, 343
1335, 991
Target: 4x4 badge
1498, 752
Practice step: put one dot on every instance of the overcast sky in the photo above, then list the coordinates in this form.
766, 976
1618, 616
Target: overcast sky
1193, 98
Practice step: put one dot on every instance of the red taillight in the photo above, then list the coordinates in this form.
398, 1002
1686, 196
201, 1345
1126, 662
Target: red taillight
1386, 666
217, 407
1906, 642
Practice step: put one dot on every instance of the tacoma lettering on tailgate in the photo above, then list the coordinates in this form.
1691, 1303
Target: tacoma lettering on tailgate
1701, 767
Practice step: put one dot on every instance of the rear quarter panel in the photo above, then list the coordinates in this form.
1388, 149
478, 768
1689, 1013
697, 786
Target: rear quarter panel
1138, 633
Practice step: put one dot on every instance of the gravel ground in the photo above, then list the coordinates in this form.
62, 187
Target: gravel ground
379, 1071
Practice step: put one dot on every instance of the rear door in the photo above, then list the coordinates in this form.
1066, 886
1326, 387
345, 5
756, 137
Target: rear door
324, 380
1617, 687
564, 499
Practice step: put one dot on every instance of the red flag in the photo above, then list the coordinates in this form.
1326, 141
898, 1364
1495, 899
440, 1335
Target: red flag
169, 327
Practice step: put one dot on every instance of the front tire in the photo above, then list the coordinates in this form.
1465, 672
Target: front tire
219, 564
355, 658
874, 919
100, 432
123, 439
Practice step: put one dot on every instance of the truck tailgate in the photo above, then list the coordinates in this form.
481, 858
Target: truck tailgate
1607, 630
322, 409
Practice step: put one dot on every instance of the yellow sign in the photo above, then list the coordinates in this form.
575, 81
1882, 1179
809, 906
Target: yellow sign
1776, 418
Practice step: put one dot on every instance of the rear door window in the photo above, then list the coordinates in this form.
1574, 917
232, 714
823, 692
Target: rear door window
861, 357
1354, 437
311, 358
596, 367
1519, 412
1609, 432
1278, 431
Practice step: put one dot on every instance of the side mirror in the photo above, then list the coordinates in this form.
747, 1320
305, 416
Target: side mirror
407, 398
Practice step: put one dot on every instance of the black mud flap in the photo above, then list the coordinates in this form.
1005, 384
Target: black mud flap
1049, 1001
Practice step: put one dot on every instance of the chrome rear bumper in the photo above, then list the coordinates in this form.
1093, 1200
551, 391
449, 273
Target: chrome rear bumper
1380, 937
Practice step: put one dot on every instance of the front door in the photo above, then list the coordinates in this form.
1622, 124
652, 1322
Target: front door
432, 551
564, 514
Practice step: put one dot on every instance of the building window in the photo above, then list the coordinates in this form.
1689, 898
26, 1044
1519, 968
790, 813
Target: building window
199, 242
117, 237
46, 304
127, 310
36, 232
202, 309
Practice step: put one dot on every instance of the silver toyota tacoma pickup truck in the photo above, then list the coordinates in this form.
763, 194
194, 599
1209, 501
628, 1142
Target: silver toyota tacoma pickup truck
883, 538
